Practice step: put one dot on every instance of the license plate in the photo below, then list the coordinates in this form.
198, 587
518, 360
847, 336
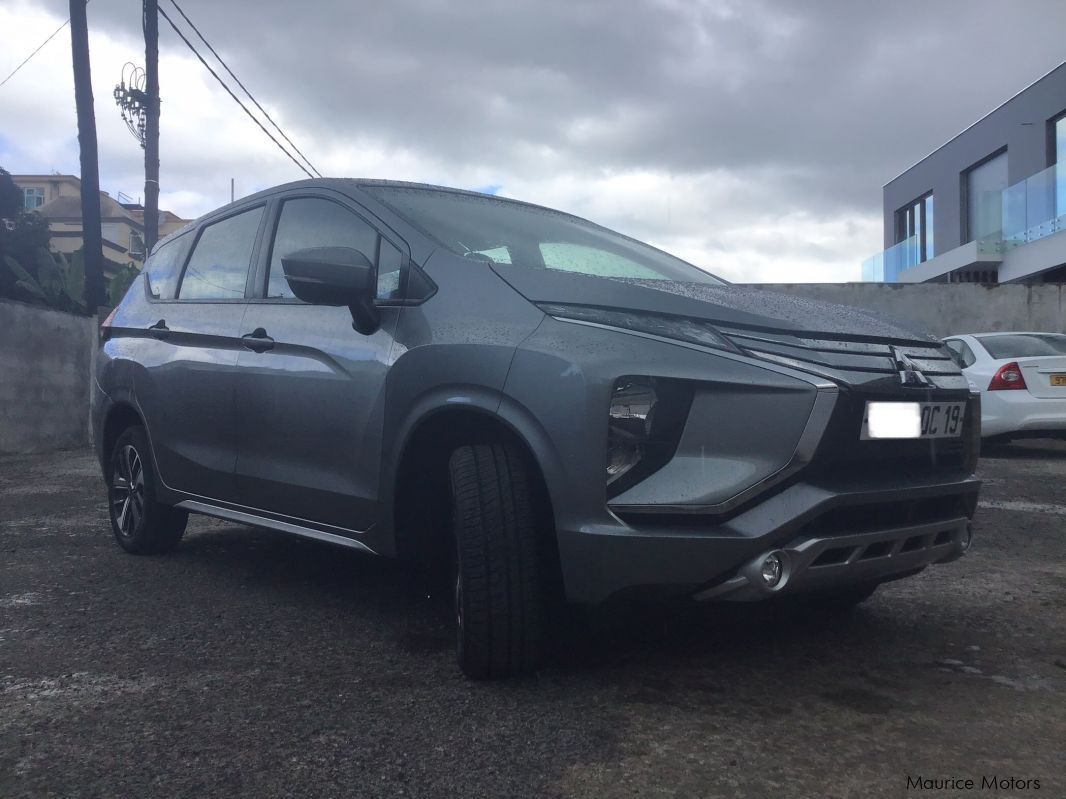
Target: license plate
1058, 380
888, 420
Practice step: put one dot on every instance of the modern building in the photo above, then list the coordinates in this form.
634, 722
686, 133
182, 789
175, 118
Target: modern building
990, 205
57, 198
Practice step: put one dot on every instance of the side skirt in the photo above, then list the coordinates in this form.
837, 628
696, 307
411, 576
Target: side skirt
243, 517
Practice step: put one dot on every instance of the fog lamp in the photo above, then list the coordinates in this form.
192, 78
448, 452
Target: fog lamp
629, 423
772, 568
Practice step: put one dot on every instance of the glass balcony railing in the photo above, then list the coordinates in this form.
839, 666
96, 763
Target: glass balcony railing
886, 266
1035, 207
999, 221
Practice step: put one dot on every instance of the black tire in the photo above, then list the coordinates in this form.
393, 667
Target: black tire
141, 525
499, 589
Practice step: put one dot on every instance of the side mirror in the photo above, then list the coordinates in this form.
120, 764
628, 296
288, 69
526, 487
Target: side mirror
335, 276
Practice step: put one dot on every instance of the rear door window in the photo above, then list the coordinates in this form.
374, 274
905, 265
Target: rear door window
218, 266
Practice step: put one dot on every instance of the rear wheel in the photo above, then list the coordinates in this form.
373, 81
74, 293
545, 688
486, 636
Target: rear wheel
498, 572
141, 525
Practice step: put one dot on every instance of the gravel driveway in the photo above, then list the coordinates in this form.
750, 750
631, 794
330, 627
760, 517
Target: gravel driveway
253, 664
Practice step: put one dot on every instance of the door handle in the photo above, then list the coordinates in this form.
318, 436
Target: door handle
257, 340
159, 329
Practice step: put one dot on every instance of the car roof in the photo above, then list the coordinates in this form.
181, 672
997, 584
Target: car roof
358, 185
343, 185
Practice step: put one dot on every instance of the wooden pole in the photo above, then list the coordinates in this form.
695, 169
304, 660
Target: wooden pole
90, 168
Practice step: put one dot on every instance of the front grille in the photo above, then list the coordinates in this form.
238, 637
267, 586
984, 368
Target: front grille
849, 358
842, 456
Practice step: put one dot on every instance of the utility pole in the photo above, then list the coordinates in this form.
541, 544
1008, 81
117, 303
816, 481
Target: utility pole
90, 167
151, 129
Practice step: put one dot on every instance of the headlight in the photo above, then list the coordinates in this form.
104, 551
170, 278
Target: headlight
629, 426
672, 327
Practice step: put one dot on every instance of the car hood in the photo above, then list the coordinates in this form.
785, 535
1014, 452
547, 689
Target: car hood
733, 306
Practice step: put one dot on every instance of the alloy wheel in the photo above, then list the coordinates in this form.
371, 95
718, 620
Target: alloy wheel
127, 491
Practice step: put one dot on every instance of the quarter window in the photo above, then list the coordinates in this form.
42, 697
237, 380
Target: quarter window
314, 222
218, 266
164, 266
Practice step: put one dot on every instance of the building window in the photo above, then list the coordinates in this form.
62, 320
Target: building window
1056, 150
914, 231
1056, 138
136, 246
983, 186
32, 198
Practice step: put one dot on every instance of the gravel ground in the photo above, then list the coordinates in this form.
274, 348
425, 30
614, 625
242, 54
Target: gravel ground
253, 664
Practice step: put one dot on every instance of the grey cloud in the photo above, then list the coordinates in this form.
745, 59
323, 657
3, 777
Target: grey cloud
847, 92
809, 107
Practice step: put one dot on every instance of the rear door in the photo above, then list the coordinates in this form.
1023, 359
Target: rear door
311, 393
186, 389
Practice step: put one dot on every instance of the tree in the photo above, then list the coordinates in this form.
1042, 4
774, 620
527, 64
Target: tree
21, 234
120, 284
10, 196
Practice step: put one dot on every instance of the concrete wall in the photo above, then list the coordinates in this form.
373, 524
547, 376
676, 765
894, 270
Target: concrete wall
947, 308
46, 356
1020, 125
44, 378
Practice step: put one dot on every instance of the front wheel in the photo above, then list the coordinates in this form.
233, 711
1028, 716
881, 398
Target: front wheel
140, 524
499, 589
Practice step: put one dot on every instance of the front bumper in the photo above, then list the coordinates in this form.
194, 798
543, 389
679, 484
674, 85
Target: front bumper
813, 564
883, 509
872, 533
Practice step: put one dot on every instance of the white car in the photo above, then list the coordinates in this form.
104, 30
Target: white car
1021, 378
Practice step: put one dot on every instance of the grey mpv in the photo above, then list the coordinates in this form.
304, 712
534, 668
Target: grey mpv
525, 401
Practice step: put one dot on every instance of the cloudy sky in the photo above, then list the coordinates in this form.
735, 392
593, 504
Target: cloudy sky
750, 137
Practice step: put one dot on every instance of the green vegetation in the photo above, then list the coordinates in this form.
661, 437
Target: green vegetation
31, 272
59, 283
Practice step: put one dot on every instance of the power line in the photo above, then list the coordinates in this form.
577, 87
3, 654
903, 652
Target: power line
35, 52
229, 91
238, 80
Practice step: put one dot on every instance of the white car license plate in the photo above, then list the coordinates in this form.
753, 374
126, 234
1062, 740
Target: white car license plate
884, 420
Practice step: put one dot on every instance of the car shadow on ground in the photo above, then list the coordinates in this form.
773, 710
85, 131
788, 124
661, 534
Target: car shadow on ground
399, 606
1027, 449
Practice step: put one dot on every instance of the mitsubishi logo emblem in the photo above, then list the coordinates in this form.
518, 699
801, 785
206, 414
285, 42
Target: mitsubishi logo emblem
909, 373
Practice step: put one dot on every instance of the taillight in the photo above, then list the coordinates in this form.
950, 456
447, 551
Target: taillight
105, 326
1008, 378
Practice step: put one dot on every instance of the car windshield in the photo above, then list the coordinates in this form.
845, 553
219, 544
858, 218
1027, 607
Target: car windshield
501, 231
1024, 345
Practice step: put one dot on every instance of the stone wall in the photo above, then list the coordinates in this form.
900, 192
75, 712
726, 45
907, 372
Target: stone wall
45, 361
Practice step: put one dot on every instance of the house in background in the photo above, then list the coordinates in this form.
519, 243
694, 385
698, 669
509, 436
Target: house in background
57, 198
990, 205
